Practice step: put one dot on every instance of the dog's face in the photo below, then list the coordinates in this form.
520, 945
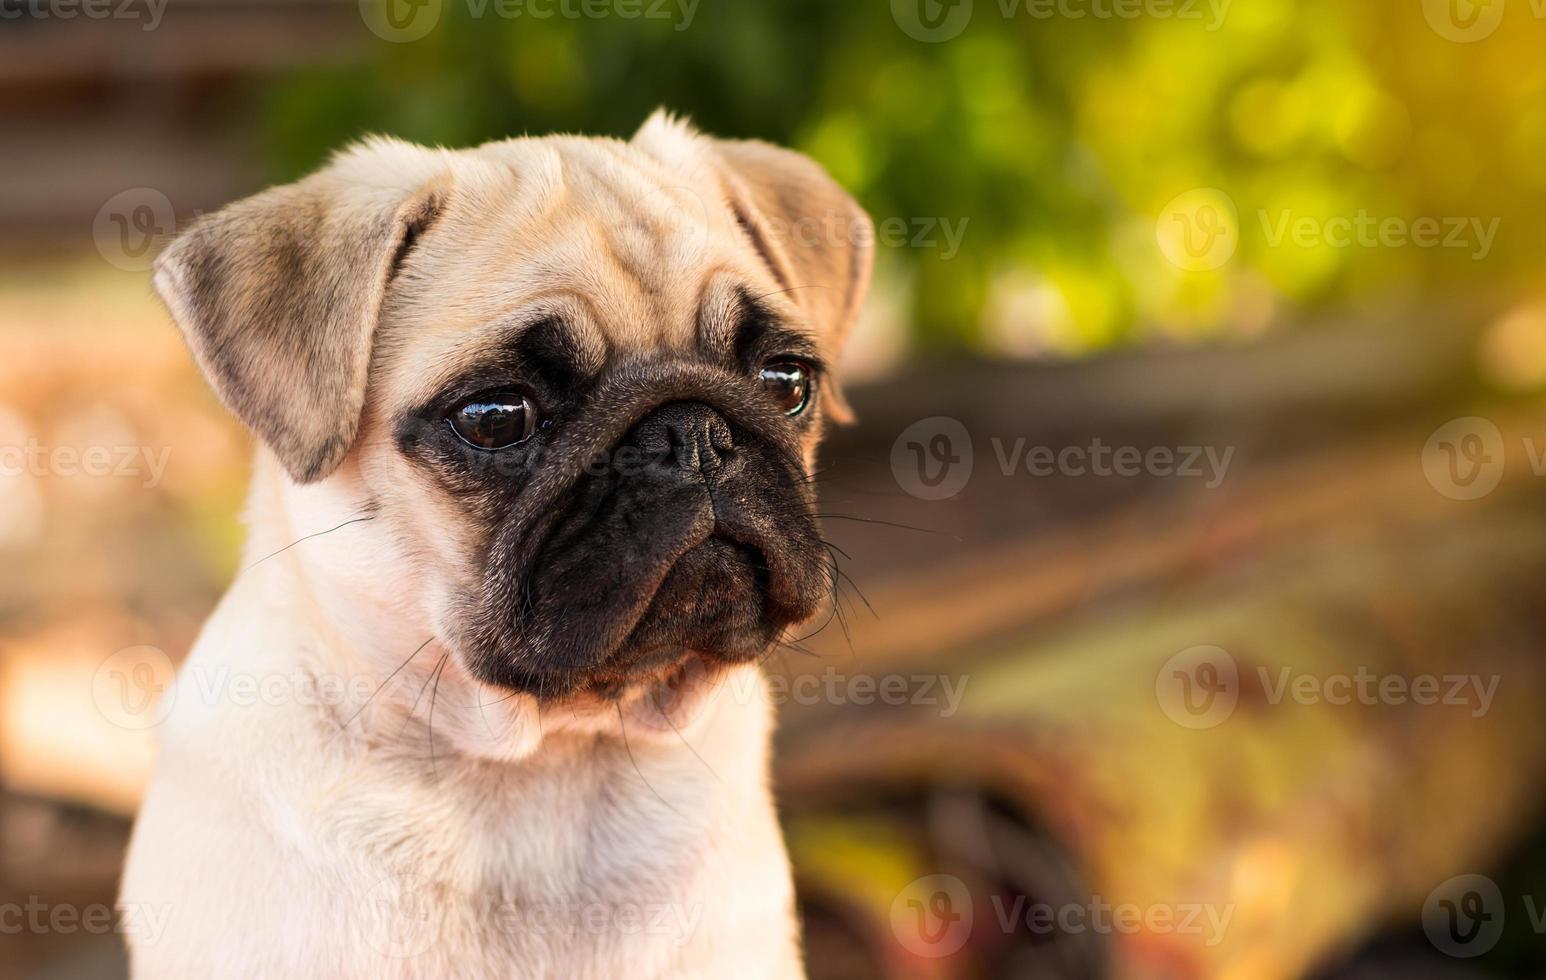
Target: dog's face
577, 383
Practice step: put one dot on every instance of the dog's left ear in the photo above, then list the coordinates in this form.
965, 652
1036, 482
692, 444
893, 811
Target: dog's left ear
279, 295
811, 232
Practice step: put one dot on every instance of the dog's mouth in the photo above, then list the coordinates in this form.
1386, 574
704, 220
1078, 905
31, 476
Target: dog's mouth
709, 612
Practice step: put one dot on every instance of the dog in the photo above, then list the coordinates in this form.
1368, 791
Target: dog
532, 499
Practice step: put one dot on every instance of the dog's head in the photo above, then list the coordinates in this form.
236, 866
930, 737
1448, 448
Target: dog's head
577, 383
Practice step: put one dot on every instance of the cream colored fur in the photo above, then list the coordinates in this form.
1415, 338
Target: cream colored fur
372, 811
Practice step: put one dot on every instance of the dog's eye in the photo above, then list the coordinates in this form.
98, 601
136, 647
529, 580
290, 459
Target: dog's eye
789, 382
494, 420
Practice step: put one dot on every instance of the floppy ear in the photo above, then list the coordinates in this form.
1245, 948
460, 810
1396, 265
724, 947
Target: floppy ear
817, 240
278, 295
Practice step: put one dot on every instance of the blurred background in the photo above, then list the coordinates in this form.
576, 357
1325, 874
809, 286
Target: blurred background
1192, 618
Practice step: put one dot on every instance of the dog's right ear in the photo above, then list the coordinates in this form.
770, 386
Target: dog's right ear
279, 295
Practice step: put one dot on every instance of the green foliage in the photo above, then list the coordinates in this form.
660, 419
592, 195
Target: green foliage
1058, 139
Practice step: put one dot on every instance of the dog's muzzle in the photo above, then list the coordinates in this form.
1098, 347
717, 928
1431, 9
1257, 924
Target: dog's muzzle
690, 537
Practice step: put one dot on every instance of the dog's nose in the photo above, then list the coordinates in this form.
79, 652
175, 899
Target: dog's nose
692, 434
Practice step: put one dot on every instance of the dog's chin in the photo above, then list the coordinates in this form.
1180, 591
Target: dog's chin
666, 698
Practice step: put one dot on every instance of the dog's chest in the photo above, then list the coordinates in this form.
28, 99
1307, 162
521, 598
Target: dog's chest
571, 871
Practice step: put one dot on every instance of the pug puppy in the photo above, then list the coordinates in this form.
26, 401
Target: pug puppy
533, 498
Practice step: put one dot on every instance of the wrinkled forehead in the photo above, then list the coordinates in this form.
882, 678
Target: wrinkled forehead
609, 251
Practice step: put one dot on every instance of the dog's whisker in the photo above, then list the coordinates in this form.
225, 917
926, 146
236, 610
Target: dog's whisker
413, 710
782, 292
439, 669
542, 683
845, 577
483, 717
848, 582
829, 545
305, 537
689, 745
507, 697
882, 523
382, 686
639, 772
